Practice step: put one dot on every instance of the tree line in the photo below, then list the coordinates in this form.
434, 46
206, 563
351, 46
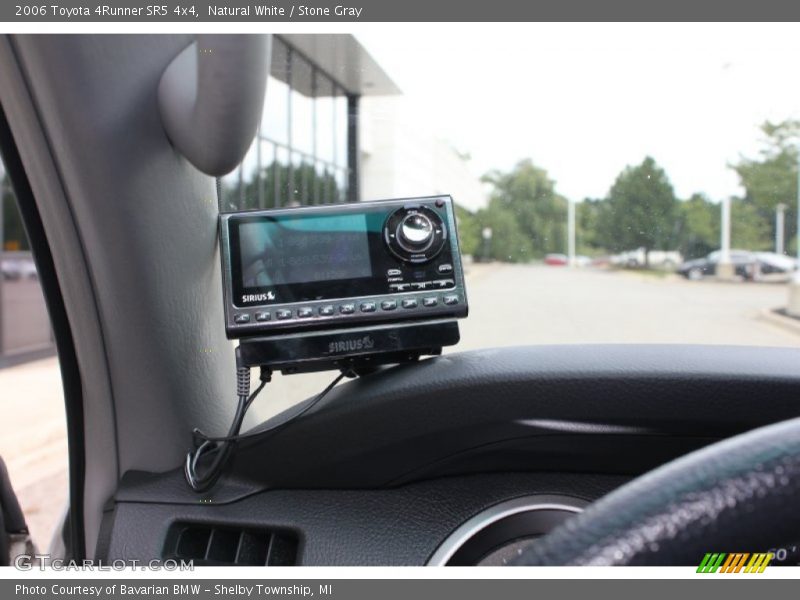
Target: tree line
528, 217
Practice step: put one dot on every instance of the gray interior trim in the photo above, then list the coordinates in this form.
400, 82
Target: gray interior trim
102, 469
133, 229
211, 97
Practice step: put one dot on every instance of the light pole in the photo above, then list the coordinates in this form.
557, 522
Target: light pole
724, 266
793, 306
779, 228
486, 234
571, 232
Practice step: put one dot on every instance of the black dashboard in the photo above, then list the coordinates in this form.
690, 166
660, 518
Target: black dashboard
388, 466
399, 526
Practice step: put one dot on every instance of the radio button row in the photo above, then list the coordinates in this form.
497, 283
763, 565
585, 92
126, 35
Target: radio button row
305, 312
410, 303
422, 285
368, 307
241, 319
327, 310
388, 305
283, 314
262, 316
429, 302
450, 300
446, 268
347, 309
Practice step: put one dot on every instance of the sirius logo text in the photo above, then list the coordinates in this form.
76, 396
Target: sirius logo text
269, 296
364, 343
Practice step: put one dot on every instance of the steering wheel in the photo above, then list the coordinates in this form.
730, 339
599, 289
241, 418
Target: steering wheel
738, 495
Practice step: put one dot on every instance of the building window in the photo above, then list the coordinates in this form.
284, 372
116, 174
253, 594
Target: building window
300, 154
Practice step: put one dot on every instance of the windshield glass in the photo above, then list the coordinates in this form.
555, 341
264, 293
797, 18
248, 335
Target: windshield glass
625, 183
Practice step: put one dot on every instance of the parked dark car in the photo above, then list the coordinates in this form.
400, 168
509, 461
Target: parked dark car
743, 263
757, 266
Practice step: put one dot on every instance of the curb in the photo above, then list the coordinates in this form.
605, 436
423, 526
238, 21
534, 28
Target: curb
786, 323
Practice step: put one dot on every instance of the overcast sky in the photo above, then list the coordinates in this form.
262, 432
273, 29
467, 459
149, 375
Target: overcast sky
584, 100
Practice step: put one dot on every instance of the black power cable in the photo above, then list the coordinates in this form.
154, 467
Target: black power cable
222, 448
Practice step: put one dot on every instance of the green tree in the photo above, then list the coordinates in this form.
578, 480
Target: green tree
469, 231
640, 211
699, 222
749, 229
509, 243
698, 226
768, 180
527, 217
588, 236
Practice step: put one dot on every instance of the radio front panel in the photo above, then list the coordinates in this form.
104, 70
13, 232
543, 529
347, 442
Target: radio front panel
335, 265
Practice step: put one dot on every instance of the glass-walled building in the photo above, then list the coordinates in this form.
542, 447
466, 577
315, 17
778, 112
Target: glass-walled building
307, 147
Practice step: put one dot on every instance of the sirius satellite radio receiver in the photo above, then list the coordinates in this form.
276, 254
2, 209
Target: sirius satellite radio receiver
347, 287
306, 288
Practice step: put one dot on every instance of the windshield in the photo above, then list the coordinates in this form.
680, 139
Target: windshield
591, 168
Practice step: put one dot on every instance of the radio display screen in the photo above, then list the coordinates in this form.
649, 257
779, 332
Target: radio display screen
284, 256
284, 250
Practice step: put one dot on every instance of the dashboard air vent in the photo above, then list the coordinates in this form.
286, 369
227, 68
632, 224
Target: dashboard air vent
225, 546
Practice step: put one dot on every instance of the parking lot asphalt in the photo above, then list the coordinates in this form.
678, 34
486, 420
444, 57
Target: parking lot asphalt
512, 305
509, 305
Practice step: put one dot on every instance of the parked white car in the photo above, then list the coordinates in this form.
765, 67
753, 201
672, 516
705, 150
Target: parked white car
15, 267
667, 260
774, 267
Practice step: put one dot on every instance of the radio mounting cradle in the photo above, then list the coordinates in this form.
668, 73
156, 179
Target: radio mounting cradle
358, 350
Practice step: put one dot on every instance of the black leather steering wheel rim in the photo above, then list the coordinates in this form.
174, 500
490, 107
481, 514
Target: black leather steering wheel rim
738, 495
